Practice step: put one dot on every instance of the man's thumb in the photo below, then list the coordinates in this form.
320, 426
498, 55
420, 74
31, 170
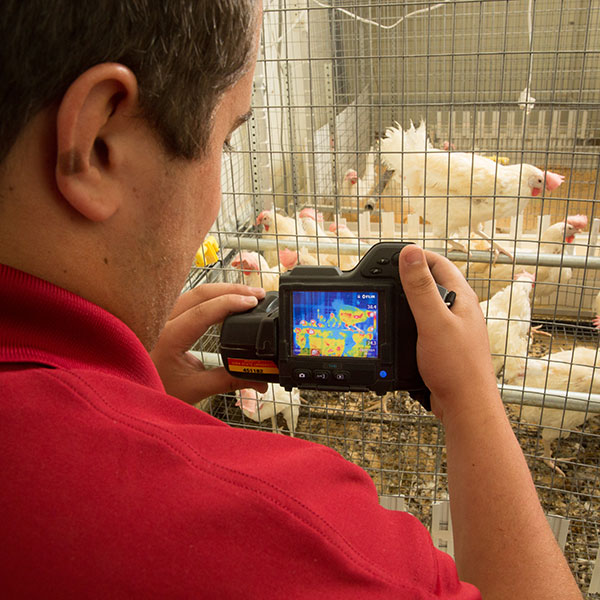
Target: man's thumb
417, 281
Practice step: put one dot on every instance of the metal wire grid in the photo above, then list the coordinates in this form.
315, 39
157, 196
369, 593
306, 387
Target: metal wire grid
461, 67
327, 86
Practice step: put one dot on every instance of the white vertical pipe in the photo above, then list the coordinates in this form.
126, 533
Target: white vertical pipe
364, 224
387, 224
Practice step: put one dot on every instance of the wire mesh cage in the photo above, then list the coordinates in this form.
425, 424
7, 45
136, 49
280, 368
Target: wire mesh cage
515, 82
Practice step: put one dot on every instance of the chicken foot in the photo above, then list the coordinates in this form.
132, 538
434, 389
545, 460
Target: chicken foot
456, 245
380, 404
498, 249
550, 461
537, 331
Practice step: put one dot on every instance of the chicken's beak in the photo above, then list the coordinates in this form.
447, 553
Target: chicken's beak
570, 232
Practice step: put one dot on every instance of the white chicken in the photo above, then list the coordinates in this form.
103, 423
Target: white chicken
289, 233
341, 230
275, 400
508, 318
364, 188
312, 224
576, 370
508, 315
290, 258
460, 189
546, 277
256, 270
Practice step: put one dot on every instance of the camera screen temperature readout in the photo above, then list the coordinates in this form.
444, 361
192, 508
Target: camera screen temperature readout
335, 323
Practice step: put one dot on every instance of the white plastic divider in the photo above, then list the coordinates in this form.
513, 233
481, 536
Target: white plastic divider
595, 581
393, 502
441, 532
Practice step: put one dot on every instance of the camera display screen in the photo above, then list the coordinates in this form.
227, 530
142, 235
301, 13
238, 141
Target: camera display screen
335, 323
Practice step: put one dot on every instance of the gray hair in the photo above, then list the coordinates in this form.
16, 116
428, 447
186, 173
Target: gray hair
184, 54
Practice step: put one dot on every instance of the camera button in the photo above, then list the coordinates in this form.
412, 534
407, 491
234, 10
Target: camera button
341, 375
303, 374
321, 375
395, 258
375, 271
383, 261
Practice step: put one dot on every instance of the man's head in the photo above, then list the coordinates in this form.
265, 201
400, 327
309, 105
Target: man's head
113, 115
184, 54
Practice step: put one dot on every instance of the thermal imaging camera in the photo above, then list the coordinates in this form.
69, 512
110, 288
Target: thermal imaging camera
334, 330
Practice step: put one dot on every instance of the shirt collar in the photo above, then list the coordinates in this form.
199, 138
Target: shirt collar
44, 324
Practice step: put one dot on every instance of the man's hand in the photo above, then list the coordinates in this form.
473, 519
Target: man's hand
182, 374
453, 350
499, 525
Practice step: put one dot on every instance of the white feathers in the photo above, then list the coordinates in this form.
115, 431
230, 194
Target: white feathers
508, 317
452, 190
256, 270
574, 370
275, 400
553, 241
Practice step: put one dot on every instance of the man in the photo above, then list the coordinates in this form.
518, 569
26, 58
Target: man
113, 118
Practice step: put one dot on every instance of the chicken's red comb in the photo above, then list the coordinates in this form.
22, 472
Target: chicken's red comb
308, 212
261, 216
288, 258
336, 228
245, 255
247, 260
248, 400
525, 275
250, 261
553, 180
578, 221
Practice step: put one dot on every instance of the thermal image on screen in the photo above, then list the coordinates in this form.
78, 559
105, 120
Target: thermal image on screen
335, 323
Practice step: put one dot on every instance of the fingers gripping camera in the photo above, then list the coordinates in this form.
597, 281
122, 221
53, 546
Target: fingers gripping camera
332, 330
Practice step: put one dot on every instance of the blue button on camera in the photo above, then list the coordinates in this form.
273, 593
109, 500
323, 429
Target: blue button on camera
383, 374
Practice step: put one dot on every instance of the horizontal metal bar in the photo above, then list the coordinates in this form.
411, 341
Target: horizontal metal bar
530, 258
351, 247
559, 399
264, 243
510, 394
210, 360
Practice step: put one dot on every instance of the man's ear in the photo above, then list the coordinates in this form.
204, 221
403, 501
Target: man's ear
89, 124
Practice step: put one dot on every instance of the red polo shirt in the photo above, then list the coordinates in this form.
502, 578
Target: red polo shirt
110, 488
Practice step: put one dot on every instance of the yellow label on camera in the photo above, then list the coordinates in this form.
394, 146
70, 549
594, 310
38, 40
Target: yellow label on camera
245, 365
